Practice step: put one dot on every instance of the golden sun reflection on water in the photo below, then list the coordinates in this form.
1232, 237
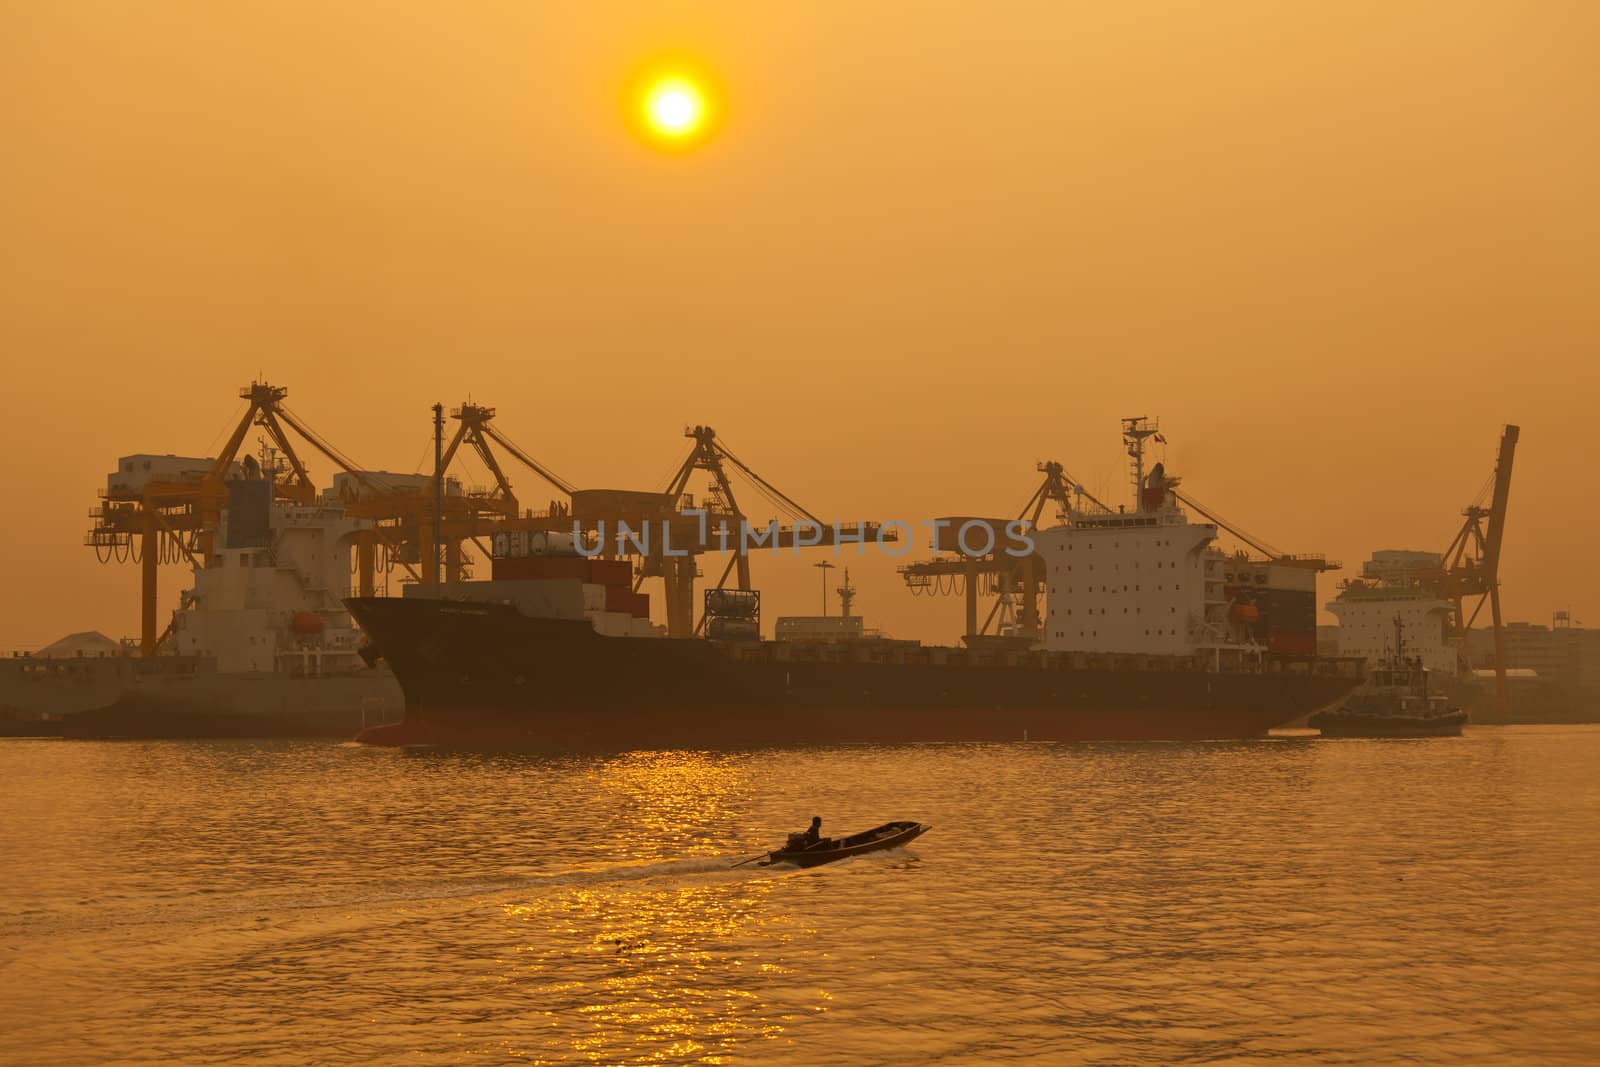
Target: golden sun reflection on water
668, 803
659, 974
649, 969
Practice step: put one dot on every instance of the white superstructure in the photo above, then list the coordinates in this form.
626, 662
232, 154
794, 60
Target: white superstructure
270, 596
1390, 588
1141, 581
1133, 583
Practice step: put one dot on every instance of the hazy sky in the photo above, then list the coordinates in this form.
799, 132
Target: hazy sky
1335, 246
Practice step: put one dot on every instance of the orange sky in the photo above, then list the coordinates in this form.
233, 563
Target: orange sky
1333, 246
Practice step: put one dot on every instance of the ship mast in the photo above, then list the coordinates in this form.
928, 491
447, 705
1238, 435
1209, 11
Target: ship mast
1134, 432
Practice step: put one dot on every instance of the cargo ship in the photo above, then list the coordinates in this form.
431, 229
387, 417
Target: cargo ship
1142, 640
260, 645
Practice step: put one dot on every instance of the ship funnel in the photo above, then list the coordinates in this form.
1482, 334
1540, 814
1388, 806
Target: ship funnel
1157, 488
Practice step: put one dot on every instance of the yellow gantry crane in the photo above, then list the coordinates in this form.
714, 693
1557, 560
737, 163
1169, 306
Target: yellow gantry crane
1014, 577
403, 517
174, 519
718, 524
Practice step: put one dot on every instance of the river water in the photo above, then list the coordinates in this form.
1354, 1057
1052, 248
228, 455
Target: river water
1290, 899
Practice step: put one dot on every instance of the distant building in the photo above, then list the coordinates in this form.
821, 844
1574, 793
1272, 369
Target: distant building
1562, 654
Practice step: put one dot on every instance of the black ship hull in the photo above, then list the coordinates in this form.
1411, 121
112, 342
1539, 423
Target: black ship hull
149, 718
483, 675
1346, 723
253, 705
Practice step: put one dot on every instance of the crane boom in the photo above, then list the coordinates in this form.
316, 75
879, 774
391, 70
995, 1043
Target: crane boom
499, 438
1256, 543
1502, 495
1492, 541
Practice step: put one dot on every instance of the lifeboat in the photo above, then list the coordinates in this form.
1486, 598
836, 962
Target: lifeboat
306, 623
1244, 613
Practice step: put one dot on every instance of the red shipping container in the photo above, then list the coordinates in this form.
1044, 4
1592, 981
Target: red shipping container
611, 572
540, 567
635, 604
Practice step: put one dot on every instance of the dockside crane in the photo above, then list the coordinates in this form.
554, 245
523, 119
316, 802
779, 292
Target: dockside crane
1311, 561
717, 525
476, 429
174, 519
173, 515
404, 516
1471, 565
1010, 576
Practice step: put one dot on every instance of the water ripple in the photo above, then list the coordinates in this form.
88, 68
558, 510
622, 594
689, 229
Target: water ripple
1291, 900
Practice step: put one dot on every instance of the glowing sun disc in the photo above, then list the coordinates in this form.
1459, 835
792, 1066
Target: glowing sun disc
674, 107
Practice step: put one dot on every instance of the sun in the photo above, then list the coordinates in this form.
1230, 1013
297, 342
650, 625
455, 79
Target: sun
675, 108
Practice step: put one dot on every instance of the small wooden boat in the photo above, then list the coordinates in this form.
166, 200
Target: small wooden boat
889, 835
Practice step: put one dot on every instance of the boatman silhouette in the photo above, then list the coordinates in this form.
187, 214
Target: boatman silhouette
805, 839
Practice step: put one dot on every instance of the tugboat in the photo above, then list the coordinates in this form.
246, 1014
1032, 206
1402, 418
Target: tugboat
1394, 702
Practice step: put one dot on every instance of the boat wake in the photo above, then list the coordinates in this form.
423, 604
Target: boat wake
250, 907
631, 872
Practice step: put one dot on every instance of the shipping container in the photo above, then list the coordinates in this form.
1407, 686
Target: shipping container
540, 567
611, 572
550, 543
620, 504
732, 630
733, 603
611, 623
512, 544
621, 599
